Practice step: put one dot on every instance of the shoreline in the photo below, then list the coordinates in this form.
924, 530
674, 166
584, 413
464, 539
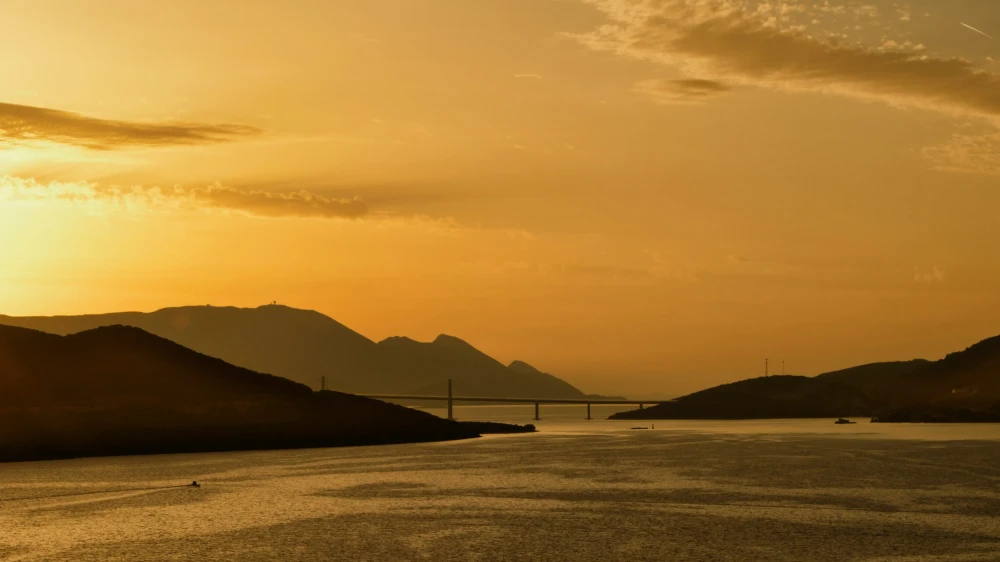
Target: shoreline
477, 430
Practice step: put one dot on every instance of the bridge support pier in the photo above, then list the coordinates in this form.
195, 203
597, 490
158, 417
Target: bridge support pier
451, 413
537, 418
588, 412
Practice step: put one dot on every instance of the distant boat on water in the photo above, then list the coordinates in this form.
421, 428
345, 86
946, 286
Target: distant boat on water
842, 421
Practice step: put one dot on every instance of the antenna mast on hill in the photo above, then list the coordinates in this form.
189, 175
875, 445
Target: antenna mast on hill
765, 367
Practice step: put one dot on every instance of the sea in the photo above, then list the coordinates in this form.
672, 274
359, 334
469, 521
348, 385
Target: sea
577, 490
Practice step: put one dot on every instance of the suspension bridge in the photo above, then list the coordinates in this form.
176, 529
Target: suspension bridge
451, 399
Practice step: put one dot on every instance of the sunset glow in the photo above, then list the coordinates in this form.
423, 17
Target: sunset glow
643, 196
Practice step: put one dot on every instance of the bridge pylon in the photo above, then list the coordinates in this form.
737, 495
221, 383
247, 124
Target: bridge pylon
451, 413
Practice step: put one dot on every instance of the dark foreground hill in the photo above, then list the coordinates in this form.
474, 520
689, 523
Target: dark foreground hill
783, 396
962, 387
964, 379
119, 390
868, 377
304, 346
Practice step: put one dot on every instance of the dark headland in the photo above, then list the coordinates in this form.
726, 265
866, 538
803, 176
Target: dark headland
120, 391
962, 387
498, 428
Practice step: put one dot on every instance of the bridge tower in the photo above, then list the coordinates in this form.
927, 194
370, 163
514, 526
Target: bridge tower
451, 415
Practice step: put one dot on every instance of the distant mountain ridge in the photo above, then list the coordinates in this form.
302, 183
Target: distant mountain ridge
965, 385
473, 372
304, 346
120, 390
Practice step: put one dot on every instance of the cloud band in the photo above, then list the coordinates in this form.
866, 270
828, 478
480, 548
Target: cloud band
720, 40
24, 123
304, 204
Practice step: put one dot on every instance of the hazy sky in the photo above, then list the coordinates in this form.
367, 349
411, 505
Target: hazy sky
638, 195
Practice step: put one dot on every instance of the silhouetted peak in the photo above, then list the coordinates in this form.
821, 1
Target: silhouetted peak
443, 340
398, 341
271, 318
522, 368
115, 331
118, 334
265, 308
288, 310
451, 341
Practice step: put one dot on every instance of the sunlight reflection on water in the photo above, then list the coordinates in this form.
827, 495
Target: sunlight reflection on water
597, 490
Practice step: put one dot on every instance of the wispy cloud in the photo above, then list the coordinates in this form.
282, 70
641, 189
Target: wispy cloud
25, 123
692, 90
723, 41
964, 153
529, 75
983, 33
256, 202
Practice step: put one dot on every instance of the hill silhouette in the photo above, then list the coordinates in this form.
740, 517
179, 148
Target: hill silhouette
523, 368
781, 396
120, 390
471, 370
963, 386
304, 346
963, 379
868, 377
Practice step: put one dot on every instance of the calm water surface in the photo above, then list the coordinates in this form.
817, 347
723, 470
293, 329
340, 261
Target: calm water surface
598, 490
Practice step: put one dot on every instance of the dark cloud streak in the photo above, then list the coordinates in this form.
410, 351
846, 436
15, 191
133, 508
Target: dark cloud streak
682, 91
23, 123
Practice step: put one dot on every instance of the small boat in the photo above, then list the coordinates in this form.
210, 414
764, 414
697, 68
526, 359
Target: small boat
640, 428
195, 484
842, 421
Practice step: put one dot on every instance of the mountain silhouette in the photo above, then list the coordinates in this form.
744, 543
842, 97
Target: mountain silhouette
120, 390
523, 368
963, 386
305, 346
471, 370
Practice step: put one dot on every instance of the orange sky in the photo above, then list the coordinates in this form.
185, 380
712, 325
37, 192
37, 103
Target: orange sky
641, 196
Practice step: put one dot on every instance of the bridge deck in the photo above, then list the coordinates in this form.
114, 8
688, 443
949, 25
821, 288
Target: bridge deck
512, 400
